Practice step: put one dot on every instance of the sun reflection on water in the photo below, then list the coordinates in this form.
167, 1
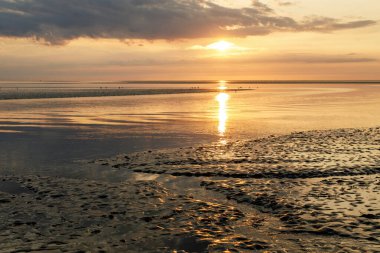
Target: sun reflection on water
222, 85
222, 99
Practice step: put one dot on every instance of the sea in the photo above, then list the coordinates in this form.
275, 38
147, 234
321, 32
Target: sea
54, 128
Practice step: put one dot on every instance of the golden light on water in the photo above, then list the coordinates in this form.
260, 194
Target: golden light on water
222, 99
222, 85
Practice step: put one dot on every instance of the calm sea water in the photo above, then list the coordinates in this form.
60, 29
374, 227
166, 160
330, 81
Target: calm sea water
53, 136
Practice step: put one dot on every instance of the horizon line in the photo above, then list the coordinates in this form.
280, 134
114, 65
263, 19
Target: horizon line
204, 81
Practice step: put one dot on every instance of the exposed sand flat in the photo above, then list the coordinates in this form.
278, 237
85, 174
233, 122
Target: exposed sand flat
54, 215
314, 191
299, 155
346, 208
47, 214
320, 188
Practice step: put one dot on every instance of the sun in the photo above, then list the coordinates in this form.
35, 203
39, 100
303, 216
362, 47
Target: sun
221, 46
222, 85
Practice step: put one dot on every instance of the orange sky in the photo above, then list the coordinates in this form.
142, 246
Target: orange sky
270, 39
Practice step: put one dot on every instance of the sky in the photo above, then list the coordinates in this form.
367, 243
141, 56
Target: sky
95, 40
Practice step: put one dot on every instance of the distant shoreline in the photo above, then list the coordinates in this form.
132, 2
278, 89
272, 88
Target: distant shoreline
19, 93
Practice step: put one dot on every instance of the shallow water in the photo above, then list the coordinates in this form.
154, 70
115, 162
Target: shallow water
37, 135
13, 188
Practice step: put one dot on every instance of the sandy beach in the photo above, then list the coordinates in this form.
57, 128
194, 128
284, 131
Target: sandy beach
314, 191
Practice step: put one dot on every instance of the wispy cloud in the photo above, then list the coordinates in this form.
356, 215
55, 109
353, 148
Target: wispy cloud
285, 3
318, 58
57, 21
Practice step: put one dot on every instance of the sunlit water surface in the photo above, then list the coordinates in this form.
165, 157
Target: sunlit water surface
55, 136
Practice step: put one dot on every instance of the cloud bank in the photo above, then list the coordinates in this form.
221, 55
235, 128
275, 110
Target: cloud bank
58, 21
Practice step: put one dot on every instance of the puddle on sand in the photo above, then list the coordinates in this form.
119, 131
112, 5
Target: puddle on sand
188, 244
13, 188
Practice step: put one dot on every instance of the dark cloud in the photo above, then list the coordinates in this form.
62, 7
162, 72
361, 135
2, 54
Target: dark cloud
324, 24
57, 21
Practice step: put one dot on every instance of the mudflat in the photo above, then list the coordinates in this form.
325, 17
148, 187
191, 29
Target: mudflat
314, 191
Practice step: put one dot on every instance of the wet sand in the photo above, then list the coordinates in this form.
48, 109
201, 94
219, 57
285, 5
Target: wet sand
47, 214
315, 191
312, 154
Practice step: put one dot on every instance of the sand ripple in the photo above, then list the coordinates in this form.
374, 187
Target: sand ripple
320, 188
79, 215
299, 155
314, 191
345, 208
